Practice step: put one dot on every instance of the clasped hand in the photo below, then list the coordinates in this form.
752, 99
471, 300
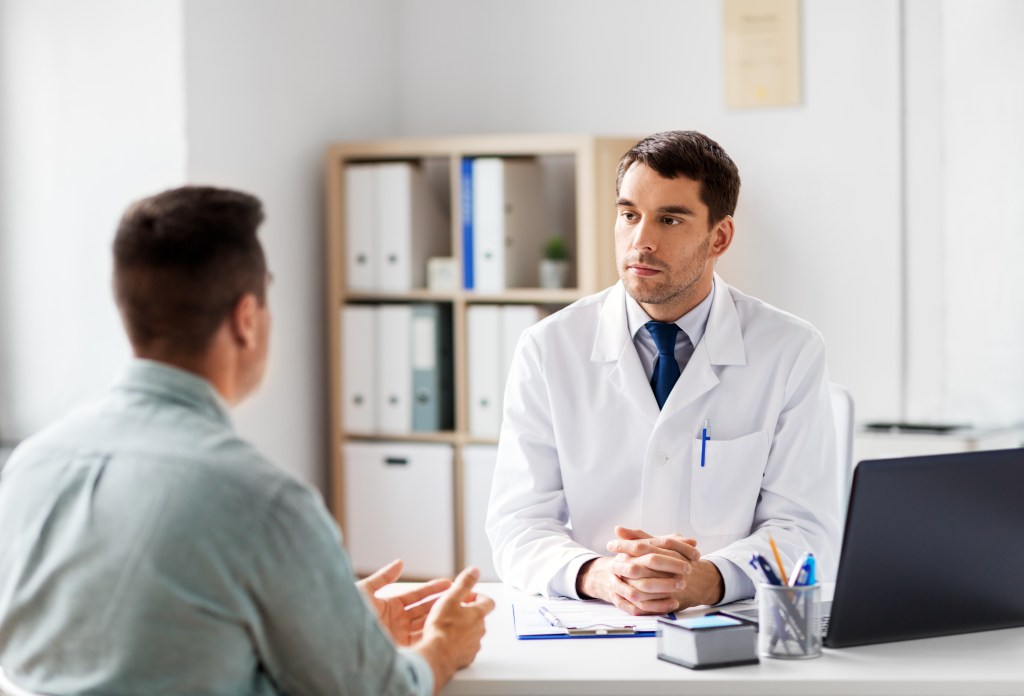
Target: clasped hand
651, 574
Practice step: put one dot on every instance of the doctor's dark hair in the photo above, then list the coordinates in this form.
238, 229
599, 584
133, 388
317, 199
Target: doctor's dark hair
183, 259
694, 155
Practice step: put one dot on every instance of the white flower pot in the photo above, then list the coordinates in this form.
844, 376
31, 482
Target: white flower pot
553, 273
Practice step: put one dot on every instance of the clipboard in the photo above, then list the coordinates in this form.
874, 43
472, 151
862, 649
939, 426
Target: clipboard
541, 618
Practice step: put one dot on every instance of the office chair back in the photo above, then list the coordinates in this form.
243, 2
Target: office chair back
842, 413
9, 688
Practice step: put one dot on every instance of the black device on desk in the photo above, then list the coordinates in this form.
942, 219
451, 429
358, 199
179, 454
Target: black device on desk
932, 547
920, 428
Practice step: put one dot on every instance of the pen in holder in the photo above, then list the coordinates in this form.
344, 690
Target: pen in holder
789, 621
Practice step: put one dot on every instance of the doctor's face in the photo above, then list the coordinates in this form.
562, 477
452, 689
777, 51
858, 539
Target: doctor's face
665, 246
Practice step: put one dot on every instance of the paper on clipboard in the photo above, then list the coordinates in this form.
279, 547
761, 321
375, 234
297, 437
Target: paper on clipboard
579, 619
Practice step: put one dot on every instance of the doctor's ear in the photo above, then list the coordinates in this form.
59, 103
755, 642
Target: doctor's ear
721, 236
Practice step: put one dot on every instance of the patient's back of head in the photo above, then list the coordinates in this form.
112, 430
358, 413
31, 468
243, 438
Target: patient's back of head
134, 525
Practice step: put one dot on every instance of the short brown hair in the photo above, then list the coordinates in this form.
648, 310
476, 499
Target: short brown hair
694, 155
182, 260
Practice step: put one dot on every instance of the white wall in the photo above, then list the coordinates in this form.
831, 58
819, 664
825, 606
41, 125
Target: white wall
984, 186
819, 220
269, 84
92, 102
97, 100
965, 210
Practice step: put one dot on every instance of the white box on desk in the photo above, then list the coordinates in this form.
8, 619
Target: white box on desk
707, 641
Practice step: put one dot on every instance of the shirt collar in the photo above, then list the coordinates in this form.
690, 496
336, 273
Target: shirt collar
175, 384
694, 323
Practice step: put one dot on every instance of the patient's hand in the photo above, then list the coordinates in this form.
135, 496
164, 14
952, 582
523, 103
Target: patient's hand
402, 615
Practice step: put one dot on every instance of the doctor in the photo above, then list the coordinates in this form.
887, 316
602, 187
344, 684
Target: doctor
606, 486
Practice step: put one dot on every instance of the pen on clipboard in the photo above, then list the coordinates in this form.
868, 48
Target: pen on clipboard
704, 444
596, 629
551, 618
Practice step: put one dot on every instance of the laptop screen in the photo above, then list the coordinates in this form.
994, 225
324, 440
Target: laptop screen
932, 547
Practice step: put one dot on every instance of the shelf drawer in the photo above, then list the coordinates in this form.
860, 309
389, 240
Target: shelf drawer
399, 504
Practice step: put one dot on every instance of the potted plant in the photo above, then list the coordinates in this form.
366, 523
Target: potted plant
554, 267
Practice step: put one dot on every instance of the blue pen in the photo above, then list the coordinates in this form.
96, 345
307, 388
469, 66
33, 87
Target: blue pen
805, 571
703, 443
760, 563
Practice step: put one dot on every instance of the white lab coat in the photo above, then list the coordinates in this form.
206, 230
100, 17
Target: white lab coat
583, 446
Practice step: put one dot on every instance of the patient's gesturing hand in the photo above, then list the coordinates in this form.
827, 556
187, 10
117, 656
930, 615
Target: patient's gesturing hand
402, 615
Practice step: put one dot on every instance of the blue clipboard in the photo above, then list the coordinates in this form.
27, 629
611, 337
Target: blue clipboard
541, 618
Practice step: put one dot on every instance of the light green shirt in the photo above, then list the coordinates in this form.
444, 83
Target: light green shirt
146, 549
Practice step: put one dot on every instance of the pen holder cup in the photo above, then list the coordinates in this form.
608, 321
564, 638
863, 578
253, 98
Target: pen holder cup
789, 621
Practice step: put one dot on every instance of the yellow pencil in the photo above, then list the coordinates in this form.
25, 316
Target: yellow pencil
778, 559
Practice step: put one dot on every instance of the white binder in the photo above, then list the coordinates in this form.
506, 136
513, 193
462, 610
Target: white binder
358, 371
411, 227
478, 463
515, 319
485, 380
510, 224
394, 368
398, 504
360, 226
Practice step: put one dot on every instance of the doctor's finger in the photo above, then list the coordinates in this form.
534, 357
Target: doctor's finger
627, 533
662, 563
641, 548
620, 597
635, 568
656, 587
625, 605
658, 606
637, 603
684, 547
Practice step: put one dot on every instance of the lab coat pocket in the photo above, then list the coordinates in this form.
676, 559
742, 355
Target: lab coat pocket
723, 492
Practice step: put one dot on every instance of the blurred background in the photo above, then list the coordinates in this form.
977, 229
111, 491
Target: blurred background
885, 206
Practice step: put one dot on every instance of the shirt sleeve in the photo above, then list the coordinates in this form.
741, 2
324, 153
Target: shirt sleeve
314, 630
737, 584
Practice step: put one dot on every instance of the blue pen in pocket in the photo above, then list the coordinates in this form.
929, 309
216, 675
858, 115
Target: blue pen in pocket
704, 443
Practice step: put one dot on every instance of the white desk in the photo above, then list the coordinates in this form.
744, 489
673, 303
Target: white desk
990, 663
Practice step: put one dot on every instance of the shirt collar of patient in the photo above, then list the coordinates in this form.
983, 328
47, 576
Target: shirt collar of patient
174, 384
693, 323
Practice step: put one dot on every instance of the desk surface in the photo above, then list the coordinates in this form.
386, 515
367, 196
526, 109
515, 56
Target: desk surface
990, 663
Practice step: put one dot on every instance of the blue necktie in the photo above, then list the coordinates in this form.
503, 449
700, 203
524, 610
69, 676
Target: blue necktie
666, 369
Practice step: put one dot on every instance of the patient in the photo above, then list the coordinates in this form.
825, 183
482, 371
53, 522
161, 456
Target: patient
147, 549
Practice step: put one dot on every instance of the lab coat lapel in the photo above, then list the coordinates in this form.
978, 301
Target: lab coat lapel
697, 379
614, 344
722, 344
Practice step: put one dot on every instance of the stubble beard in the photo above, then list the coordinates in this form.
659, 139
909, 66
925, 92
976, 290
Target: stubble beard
664, 290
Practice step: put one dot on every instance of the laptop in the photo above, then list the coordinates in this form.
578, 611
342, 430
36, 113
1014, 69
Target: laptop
931, 548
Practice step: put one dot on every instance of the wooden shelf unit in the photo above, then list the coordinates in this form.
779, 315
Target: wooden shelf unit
594, 161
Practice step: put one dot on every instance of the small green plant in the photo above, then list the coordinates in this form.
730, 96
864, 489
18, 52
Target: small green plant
555, 249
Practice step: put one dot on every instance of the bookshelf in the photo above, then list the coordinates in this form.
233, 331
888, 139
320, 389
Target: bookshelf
578, 180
